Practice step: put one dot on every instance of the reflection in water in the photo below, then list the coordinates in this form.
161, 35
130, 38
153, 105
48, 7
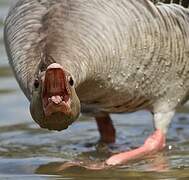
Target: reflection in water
153, 168
157, 163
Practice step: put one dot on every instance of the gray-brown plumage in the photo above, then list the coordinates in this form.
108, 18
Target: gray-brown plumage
123, 55
184, 3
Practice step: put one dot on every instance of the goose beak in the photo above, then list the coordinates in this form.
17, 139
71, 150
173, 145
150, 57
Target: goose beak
55, 93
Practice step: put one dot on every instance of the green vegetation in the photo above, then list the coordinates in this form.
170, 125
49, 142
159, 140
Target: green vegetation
1, 22
5, 72
6, 91
3, 2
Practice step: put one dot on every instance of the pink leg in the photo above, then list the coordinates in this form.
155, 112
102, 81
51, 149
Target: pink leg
106, 128
154, 143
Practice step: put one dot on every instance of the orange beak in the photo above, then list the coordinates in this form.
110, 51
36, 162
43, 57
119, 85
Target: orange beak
55, 93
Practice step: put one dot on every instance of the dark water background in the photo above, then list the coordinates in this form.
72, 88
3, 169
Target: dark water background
28, 152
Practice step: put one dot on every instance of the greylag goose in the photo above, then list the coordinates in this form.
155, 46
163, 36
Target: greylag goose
100, 57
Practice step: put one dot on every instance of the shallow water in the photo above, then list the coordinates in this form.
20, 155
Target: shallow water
28, 152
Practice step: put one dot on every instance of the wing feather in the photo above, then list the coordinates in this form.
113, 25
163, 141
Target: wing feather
184, 3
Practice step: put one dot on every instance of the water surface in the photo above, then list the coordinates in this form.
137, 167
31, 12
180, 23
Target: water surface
26, 151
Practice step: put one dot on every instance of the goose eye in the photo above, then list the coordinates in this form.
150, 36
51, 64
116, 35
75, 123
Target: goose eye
71, 81
36, 83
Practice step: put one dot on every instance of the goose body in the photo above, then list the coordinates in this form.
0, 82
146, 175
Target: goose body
123, 55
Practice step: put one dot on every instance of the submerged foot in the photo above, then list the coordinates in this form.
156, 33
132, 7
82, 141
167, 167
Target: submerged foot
154, 143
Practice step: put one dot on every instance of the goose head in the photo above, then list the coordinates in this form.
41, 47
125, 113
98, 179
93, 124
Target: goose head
54, 103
